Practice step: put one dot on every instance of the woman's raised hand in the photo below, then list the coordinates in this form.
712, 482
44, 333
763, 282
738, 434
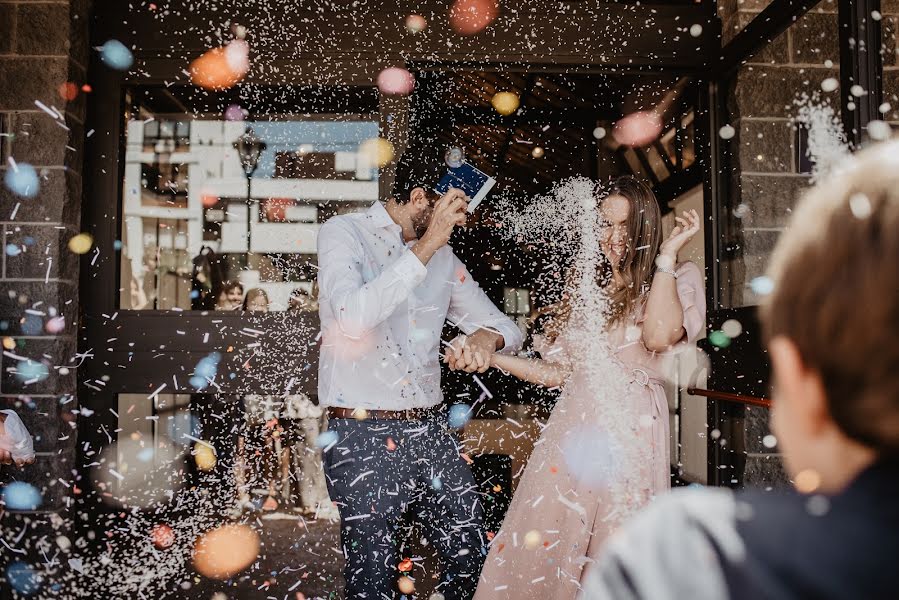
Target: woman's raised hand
688, 225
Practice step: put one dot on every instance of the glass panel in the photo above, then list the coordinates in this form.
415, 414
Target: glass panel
889, 110
790, 76
193, 224
793, 78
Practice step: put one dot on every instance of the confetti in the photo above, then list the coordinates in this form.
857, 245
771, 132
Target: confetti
468, 17
505, 103
18, 495
22, 180
116, 55
225, 551
396, 81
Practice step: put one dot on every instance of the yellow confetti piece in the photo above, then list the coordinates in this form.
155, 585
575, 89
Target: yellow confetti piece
81, 243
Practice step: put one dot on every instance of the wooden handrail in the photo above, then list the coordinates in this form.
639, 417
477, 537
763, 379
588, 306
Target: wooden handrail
728, 397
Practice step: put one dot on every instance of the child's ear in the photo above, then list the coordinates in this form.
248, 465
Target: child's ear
798, 384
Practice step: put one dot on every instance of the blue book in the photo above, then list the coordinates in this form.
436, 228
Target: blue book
475, 183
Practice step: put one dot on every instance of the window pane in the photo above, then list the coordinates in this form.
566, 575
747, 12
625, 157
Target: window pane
190, 218
890, 22
768, 151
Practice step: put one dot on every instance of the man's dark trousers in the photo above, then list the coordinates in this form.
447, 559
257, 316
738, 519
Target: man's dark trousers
377, 470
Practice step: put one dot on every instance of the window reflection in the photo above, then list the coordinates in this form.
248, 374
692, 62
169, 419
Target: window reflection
194, 237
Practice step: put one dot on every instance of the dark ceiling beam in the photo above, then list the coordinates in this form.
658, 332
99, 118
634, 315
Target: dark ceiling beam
644, 162
767, 25
663, 154
299, 41
677, 184
485, 115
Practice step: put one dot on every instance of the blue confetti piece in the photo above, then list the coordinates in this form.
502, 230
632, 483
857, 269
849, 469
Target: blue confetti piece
116, 55
31, 371
762, 286
459, 415
326, 438
19, 495
23, 181
13, 250
23, 578
32, 325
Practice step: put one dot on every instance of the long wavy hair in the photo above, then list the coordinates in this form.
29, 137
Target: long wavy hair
637, 266
644, 236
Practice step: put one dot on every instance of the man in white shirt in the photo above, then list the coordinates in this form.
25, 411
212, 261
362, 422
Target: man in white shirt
388, 281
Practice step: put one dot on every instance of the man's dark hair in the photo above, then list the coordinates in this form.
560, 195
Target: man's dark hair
421, 165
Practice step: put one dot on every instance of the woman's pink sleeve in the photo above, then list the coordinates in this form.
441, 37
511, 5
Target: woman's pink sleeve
691, 292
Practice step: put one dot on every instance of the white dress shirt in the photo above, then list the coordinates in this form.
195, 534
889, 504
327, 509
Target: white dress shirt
382, 312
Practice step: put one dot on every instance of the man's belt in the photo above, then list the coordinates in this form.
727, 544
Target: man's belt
370, 414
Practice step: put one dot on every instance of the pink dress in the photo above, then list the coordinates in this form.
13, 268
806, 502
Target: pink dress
558, 518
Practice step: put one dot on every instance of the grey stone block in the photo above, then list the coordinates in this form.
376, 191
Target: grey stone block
815, 38
770, 199
45, 253
889, 44
40, 140
17, 296
765, 471
24, 80
53, 353
79, 31
49, 421
757, 427
755, 254
762, 91
753, 5
7, 26
59, 199
891, 92
43, 29
766, 146
44, 475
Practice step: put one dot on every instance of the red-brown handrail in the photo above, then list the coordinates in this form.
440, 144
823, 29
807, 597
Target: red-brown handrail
728, 397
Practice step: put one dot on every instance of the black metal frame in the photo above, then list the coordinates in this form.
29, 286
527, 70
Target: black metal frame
860, 64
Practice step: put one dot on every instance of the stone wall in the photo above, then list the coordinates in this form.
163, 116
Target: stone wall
765, 177
43, 45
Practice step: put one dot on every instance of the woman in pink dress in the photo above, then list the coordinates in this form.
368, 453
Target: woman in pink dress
570, 498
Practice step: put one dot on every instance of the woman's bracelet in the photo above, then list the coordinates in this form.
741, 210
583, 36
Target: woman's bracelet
667, 270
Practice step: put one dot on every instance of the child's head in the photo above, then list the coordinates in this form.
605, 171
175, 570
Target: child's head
256, 300
832, 320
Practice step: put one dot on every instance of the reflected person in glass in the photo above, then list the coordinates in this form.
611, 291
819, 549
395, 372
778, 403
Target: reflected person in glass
230, 297
256, 301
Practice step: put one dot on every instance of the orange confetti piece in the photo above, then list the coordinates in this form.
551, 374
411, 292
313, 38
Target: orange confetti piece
553, 470
405, 565
391, 445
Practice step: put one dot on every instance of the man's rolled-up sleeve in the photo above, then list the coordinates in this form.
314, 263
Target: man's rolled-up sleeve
470, 309
358, 306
